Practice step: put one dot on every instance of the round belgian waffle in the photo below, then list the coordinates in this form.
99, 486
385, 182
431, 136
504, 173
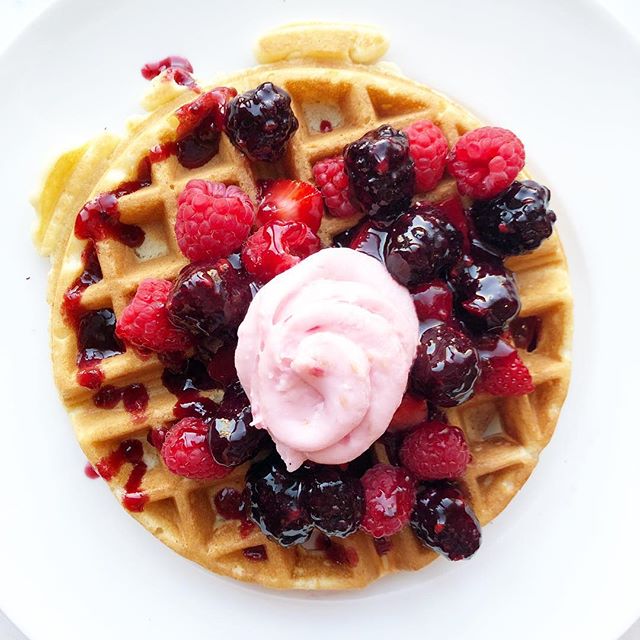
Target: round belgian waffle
329, 74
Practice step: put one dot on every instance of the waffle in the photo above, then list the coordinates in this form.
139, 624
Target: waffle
328, 70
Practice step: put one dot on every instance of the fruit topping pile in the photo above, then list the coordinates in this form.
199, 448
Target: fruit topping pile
448, 254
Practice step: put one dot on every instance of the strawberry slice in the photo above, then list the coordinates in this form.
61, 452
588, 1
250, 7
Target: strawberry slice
505, 376
411, 412
290, 201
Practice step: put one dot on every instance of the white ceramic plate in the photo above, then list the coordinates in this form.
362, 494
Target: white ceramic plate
563, 560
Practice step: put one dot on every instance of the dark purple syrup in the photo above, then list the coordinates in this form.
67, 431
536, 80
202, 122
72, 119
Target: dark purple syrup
526, 332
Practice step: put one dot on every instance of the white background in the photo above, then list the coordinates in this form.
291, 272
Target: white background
17, 14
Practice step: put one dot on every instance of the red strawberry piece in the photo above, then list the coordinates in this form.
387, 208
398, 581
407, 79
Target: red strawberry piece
276, 247
505, 375
291, 201
411, 412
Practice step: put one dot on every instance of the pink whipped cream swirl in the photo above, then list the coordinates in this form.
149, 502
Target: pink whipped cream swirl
324, 354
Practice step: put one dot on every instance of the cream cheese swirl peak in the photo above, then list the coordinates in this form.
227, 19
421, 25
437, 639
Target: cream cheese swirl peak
324, 354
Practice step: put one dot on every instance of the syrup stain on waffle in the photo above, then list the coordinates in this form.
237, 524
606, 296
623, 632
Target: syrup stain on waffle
107, 218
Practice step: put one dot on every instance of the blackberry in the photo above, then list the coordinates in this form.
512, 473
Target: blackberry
276, 504
335, 501
446, 367
232, 438
486, 296
380, 171
206, 297
444, 521
517, 220
261, 121
421, 246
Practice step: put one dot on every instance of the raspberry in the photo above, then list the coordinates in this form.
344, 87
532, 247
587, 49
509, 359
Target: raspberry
517, 220
486, 161
428, 149
433, 301
186, 454
421, 245
486, 296
213, 220
389, 496
290, 201
275, 500
444, 521
335, 501
206, 297
380, 171
333, 183
411, 412
276, 247
505, 376
232, 438
446, 367
260, 122
435, 451
145, 324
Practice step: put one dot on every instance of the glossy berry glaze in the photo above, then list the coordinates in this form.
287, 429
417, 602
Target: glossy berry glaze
232, 504
200, 126
336, 552
382, 545
99, 220
89, 374
258, 553
97, 340
131, 452
186, 384
526, 332
134, 398
178, 69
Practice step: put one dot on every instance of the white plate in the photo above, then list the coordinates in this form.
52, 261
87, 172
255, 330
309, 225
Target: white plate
562, 561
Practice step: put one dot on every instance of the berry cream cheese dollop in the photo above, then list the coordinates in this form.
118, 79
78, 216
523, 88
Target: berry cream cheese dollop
324, 353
